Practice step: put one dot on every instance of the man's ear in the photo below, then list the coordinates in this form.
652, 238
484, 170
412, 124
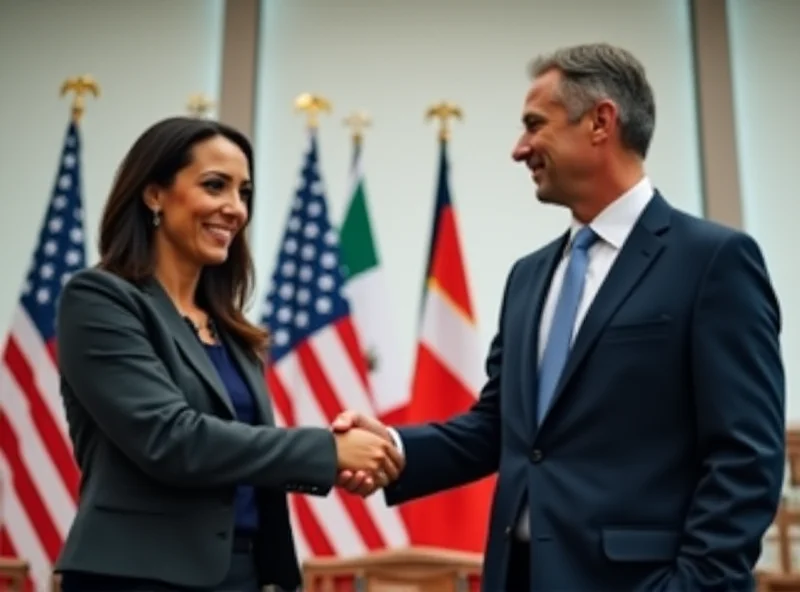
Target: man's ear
604, 121
152, 197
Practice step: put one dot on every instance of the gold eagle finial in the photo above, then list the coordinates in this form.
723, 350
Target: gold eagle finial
358, 121
79, 86
199, 105
444, 111
312, 106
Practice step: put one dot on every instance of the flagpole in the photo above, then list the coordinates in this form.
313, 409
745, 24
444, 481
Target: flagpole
318, 327
312, 105
357, 122
444, 112
47, 465
79, 86
447, 378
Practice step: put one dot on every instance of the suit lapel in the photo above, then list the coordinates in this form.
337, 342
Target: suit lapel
537, 290
253, 377
640, 251
189, 343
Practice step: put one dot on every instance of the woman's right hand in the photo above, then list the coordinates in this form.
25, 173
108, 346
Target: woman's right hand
360, 450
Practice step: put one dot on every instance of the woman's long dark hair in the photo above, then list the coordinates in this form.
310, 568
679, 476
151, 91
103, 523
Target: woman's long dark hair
126, 229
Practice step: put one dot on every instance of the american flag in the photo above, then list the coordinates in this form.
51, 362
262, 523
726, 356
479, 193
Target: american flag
38, 475
316, 368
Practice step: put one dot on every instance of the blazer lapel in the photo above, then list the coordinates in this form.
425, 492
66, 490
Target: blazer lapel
640, 251
253, 377
189, 343
537, 290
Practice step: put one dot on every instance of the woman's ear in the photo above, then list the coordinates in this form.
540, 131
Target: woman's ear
152, 197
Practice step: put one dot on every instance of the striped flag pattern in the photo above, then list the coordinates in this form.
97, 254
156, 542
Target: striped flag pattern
447, 379
316, 368
39, 479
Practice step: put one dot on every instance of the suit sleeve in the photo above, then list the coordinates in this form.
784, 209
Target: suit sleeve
107, 360
740, 400
466, 448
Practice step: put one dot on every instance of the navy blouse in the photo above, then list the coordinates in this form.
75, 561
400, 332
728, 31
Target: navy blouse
246, 412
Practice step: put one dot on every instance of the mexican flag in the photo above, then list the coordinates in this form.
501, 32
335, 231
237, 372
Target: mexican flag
368, 294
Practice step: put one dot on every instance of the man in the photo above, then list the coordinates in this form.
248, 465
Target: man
634, 406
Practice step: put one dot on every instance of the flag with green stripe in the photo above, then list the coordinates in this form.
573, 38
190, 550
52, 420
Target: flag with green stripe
368, 295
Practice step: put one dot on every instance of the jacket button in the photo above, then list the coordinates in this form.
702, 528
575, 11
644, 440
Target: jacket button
507, 532
537, 455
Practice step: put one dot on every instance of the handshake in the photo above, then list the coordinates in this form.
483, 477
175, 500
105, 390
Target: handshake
366, 454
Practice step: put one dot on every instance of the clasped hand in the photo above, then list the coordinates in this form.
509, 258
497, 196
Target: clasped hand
366, 454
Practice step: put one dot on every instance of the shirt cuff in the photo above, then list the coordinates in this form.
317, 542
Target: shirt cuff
398, 442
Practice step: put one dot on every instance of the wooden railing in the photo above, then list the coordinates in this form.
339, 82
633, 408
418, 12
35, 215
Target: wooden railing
417, 569
13, 573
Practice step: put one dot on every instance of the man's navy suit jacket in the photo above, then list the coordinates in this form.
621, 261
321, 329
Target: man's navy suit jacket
660, 463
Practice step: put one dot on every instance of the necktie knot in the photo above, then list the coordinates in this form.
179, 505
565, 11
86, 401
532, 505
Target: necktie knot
584, 239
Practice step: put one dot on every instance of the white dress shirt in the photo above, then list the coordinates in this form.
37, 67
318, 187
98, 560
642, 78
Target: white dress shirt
612, 226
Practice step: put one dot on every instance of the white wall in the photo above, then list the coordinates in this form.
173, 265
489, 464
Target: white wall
394, 59
148, 57
764, 50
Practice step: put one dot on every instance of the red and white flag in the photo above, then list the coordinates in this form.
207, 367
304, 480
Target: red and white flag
448, 376
39, 478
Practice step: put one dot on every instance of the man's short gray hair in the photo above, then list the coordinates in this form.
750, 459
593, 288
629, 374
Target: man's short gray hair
594, 72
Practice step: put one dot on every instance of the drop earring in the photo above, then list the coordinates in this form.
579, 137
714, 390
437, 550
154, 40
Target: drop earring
156, 218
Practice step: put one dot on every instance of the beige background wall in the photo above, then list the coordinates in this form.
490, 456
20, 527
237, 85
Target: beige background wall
765, 45
394, 60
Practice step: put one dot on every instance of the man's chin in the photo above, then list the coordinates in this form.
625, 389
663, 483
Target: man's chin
544, 196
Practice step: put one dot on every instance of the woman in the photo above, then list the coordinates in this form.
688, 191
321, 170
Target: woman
184, 472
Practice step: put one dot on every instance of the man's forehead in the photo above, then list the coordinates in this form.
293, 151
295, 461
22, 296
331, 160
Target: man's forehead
543, 87
542, 96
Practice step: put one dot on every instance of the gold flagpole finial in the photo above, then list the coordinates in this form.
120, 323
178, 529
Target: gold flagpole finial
312, 105
199, 105
79, 86
444, 112
358, 121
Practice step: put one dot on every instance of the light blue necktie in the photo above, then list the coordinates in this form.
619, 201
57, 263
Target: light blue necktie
559, 341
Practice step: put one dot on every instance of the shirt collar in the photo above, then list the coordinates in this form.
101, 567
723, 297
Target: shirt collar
616, 221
